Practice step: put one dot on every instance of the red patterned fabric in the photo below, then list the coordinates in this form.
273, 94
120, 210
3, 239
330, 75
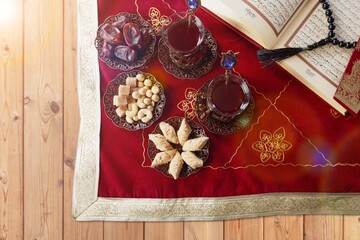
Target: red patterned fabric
322, 153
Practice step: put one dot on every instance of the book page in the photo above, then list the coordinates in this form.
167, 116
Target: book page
321, 69
329, 61
276, 13
260, 20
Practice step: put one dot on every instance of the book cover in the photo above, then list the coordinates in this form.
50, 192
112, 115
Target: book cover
348, 92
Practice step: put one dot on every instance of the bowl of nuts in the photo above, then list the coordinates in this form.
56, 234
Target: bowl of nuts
125, 41
134, 100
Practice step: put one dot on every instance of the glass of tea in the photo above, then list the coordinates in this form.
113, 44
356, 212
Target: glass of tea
227, 98
184, 37
228, 95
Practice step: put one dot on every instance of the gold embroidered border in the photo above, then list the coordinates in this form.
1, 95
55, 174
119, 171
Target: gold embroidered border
87, 206
191, 209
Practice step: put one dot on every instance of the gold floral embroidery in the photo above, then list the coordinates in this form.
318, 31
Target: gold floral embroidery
272, 145
157, 20
187, 105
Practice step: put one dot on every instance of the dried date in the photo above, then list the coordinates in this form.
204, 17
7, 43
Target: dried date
132, 34
120, 22
126, 53
108, 50
146, 38
112, 34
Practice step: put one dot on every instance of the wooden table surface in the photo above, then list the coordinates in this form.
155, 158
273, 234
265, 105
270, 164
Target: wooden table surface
39, 123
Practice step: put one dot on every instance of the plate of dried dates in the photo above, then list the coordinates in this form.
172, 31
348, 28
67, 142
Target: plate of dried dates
125, 41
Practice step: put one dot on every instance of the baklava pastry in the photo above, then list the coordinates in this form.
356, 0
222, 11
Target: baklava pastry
183, 132
176, 165
192, 160
195, 144
163, 157
160, 142
169, 132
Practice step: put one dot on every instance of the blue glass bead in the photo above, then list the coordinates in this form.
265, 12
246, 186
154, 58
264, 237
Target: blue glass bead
193, 4
229, 63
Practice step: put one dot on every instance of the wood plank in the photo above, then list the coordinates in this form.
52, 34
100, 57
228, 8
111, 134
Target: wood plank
11, 120
72, 229
124, 230
244, 229
283, 227
43, 119
164, 230
351, 227
83, 230
204, 230
323, 227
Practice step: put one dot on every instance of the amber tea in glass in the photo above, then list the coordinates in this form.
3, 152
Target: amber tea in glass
184, 37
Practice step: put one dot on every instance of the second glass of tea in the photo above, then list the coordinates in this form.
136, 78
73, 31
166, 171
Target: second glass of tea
184, 37
228, 95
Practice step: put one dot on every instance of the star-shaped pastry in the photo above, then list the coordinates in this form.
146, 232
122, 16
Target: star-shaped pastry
176, 148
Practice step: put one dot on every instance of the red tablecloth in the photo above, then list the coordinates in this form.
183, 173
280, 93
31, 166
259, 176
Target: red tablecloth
323, 147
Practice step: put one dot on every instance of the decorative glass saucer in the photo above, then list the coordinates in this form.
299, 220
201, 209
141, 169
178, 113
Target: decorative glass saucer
197, 131
117, 63
110, 109
216, 126
204, 67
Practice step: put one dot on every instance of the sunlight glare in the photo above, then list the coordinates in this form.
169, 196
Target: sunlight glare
6, 10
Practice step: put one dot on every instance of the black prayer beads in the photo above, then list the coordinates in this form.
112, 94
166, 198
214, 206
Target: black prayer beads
270, 56
331, 34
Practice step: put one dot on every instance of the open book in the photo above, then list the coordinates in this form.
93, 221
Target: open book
298, 23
